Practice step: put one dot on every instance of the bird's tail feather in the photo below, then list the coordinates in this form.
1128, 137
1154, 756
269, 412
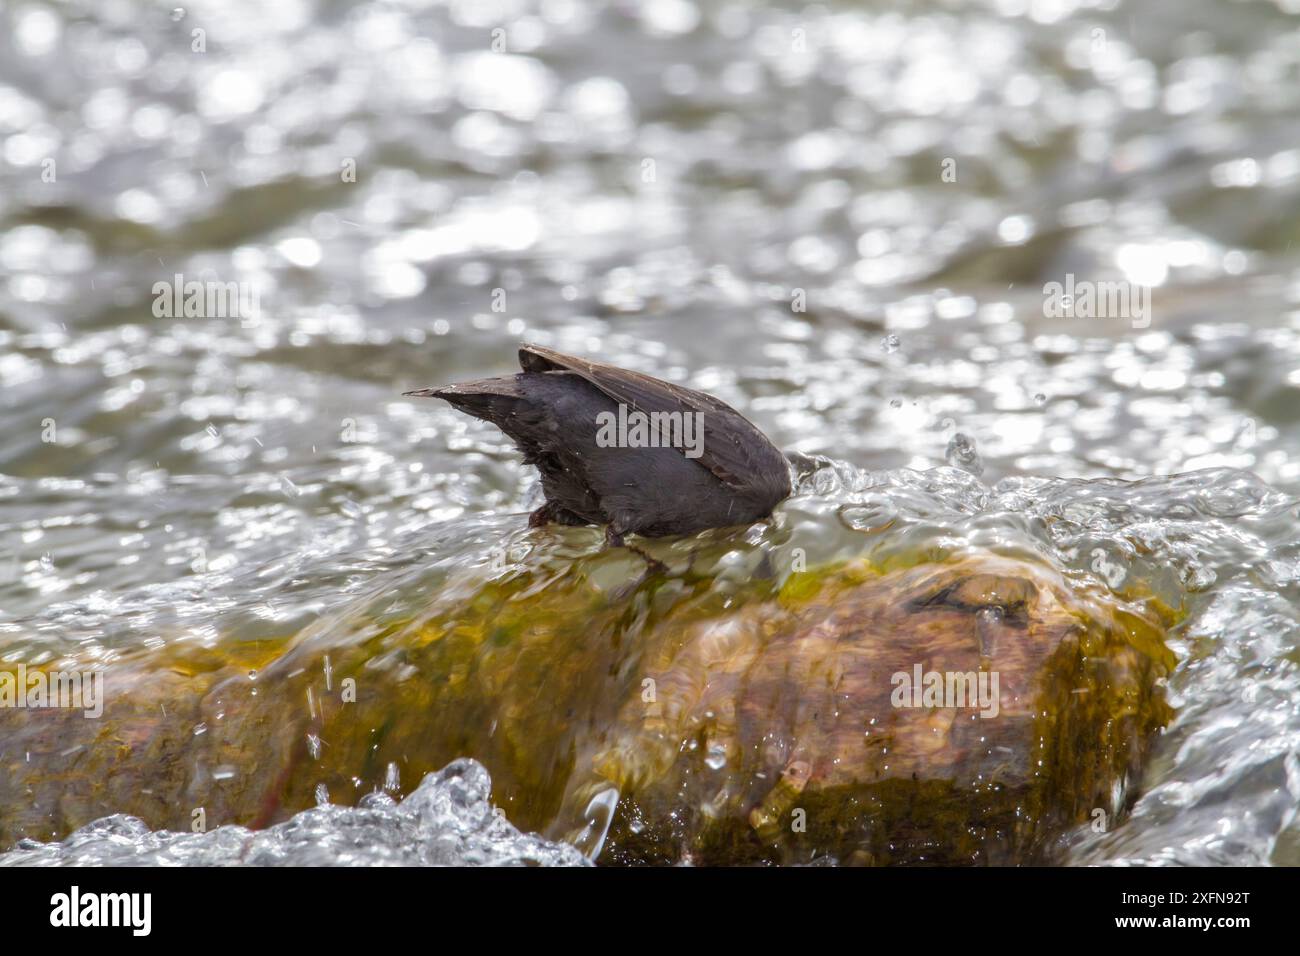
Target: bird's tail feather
490, 398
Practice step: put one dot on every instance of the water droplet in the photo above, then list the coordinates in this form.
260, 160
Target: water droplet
322, 795
963, 454
987, 620
178, 14
392, 778
1040, 399
896, 403
313, 746
889, 343
717, 757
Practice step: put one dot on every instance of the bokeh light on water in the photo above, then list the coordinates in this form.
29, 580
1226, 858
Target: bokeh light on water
839, 217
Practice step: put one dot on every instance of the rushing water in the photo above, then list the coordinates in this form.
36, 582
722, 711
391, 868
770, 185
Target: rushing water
446, 820
750, 197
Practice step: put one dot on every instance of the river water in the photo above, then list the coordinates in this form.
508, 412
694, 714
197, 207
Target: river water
840, 218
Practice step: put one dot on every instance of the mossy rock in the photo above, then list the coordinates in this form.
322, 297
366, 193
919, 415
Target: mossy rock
648, 718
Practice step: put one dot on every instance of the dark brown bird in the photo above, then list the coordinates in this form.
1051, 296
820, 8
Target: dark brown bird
624, 450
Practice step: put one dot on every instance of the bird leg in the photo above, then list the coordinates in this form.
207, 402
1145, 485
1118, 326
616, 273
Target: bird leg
614, 539
542, 516
551, 512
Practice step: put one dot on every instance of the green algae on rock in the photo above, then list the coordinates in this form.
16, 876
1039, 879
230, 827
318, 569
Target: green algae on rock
695, 717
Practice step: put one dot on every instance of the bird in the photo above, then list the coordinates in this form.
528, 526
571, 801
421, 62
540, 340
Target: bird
625, 450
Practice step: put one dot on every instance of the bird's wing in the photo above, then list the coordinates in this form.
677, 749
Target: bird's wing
733, 449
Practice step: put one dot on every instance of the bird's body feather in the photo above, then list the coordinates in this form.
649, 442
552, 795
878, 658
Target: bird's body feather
551, 410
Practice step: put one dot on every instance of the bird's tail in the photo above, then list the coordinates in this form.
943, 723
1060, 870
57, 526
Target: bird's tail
492, 399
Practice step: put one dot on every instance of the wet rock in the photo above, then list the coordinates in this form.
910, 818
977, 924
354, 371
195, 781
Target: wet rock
700, 716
